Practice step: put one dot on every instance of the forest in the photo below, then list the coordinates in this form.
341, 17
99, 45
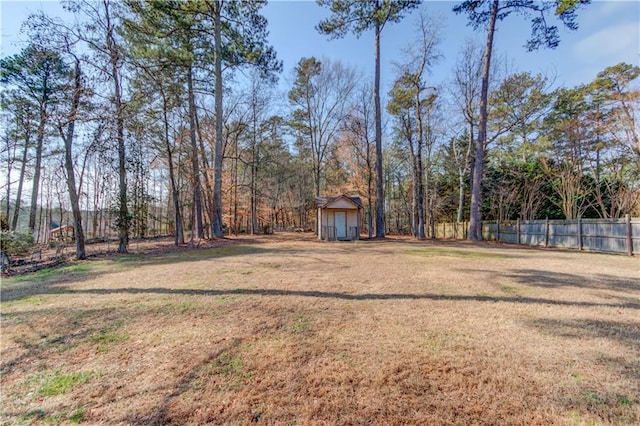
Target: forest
146, 118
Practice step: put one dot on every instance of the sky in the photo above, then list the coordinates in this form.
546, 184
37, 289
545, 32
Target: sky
609, 33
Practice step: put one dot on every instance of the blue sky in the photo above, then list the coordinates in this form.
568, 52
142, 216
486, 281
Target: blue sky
609, 33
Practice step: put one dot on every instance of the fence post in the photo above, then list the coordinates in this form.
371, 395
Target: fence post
518, 229
546, 232
627, 219
580, 233
498, 231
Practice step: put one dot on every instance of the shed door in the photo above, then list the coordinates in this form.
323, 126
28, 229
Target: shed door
341, 224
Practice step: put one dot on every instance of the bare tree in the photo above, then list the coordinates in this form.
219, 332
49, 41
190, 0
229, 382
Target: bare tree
466, 95
412, 95
320, 97
360, 17
359, 134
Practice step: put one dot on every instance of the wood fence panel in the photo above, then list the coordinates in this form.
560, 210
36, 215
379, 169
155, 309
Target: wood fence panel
601, 235
564, 233
533, 232
635, 236
608, 236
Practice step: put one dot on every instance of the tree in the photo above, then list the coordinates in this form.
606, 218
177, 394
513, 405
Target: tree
615, 85
257, 106
517, 107
614, 100
570, 138
68, 136
276, 172
40, 75
320, 96
68, 112
411, 100
360, 17
164, 39
22, 111
359, 134
488, 12
239, 39
98, 29
466, 94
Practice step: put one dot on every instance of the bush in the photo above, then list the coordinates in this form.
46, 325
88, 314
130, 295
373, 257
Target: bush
16, 243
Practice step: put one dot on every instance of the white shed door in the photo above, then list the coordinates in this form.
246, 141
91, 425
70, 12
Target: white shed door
341, 224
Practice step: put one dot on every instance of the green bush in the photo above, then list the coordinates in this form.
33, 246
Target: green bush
16, 243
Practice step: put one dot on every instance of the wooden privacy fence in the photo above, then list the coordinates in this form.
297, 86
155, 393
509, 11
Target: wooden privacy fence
602, 235
452, 230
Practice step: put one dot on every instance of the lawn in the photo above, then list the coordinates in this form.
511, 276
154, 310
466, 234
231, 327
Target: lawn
285, 329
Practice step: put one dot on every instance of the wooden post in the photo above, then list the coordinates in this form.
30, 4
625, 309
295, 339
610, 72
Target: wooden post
518, 230
498, 231
627, 219
546, 232
580, 234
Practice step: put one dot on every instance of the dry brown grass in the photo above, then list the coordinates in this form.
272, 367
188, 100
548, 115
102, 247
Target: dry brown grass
288, 330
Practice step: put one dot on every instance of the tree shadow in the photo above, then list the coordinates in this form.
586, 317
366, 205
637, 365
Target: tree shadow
160, 415
67, 273
26, 285
624, 333
549, 279
57, 290
72, 328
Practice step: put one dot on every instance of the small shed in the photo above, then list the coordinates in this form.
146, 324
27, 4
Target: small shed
62, 233
339, 218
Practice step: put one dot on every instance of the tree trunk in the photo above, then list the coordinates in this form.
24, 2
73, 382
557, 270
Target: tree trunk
467, 166
175, 194
233, 200
460, 215
114, 57
369, 193
380, 231
23, 167
419, 173
36, 173
216, 215
207, 193
475, 232
254, 167
69, 167
195, 162
10, 157
420, 192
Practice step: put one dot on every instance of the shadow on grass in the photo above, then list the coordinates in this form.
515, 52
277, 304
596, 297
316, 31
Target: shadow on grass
71, 328
160, 415
192, 255
624, 333
548, 279
331, 295
22, 286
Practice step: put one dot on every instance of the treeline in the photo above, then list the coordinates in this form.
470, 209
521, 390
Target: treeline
148, 118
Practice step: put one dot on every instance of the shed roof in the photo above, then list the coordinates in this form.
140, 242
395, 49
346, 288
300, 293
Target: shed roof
324, 202
61, 228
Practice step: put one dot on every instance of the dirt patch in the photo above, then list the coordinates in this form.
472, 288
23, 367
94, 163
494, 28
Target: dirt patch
286, 329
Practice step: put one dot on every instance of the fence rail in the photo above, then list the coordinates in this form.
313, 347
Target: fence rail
601, 235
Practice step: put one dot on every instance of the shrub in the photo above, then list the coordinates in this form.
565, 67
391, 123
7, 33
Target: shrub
16, 243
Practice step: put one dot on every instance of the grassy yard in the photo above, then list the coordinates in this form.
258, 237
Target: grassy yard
289, 330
